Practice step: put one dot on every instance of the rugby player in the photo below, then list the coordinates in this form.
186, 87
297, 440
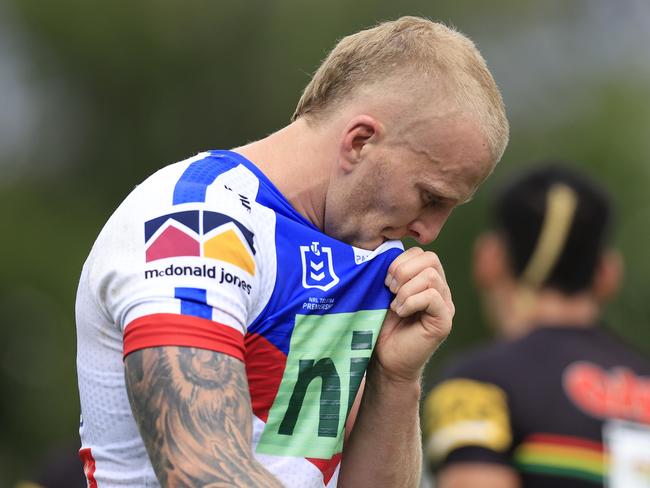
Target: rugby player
536, 408
232, 304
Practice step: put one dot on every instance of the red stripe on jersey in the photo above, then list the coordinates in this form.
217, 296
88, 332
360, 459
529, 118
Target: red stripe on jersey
264, 369
89, 466
326, 466
168, 329
563, 440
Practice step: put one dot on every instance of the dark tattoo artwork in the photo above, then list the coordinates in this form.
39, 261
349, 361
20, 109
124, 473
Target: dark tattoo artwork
193, 411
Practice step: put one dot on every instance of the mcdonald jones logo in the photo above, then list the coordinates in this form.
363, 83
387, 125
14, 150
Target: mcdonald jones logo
201, 234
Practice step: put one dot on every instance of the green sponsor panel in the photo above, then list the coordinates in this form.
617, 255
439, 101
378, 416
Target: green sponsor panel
327, 358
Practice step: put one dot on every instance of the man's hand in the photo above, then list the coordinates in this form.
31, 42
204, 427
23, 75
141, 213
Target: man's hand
419, 318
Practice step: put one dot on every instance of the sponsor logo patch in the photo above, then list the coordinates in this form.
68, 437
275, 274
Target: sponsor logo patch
201, 234
462, 412
200, 272
605, 393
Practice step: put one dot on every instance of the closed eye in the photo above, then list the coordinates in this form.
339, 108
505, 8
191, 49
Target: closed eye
429, 199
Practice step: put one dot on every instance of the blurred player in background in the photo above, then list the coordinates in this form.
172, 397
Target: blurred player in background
231, 305
536, 409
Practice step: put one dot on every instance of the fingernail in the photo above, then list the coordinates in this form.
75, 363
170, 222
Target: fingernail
393, 285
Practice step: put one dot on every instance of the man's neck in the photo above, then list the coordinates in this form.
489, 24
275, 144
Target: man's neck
550, 308
517, 311
298, 160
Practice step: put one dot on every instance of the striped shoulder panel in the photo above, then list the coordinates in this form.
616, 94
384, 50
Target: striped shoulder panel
562, 456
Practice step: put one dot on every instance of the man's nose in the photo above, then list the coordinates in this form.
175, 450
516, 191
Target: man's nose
426, 227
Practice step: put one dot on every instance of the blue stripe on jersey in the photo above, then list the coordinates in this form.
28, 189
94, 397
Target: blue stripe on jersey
193, 302
194, 182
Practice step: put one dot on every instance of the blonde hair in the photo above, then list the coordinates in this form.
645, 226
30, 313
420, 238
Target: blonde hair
414, 48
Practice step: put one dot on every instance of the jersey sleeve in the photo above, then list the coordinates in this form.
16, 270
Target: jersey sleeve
466, 420
179, 275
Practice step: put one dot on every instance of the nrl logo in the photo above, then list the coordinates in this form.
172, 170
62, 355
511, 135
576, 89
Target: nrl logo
317, 267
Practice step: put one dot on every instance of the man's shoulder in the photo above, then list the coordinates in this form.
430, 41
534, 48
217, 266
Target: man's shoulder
485, 361
543, 352
623, 349
196, 195
204, 179
192, 224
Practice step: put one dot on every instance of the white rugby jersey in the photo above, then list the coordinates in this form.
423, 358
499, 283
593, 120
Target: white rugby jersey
207, 253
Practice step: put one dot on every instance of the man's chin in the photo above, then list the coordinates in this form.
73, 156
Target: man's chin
368, 245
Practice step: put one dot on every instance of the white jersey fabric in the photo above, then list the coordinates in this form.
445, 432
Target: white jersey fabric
207, 253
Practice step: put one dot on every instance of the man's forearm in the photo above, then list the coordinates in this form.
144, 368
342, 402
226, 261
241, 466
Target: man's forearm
384, 448
193, 412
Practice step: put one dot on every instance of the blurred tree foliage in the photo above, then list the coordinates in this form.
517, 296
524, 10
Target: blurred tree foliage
131, 86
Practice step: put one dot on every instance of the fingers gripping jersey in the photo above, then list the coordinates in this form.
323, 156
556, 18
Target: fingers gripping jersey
207, 253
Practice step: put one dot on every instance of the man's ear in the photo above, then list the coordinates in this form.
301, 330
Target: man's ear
358, 133
608, 275
490, 261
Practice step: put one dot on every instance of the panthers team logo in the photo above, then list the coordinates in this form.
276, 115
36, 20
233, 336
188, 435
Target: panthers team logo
317, 267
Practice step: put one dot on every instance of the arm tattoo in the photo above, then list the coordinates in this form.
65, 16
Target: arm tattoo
193, 411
